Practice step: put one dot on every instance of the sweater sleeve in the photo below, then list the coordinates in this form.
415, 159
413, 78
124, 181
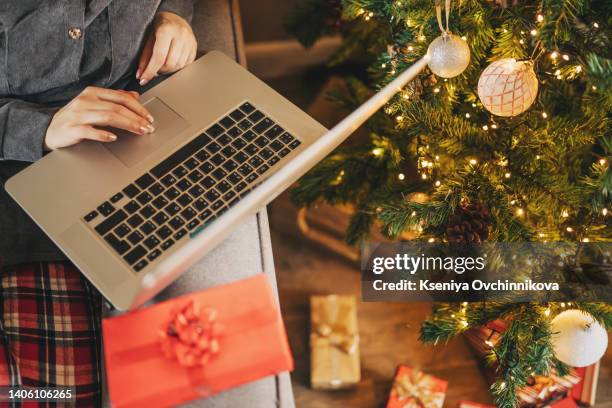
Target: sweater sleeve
183, 8
23, 126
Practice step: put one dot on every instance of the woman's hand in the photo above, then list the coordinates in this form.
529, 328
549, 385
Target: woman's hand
170, 47
97, 107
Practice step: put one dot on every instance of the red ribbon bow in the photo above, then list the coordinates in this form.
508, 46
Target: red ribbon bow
192, 335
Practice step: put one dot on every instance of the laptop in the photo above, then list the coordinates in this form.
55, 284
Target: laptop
134, 214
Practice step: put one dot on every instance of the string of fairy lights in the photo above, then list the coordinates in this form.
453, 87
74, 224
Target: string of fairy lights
427, 162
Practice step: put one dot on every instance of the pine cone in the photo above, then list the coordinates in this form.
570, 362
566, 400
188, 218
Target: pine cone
469, 224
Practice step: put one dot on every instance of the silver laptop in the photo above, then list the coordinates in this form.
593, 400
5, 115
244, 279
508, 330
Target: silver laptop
134, 214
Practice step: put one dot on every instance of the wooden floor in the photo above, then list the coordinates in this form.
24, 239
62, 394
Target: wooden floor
389, 332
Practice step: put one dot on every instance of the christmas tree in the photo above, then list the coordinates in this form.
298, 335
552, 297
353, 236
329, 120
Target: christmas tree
464, 160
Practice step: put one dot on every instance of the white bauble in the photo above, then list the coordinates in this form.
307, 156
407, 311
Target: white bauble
578, 339
508, 87
449, 56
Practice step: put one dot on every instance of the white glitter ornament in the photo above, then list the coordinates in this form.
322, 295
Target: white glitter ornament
449, 56
578, 339
508, 87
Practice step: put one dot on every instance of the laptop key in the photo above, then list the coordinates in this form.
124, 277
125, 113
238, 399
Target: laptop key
167, 244
245, 169
164, 232
156, 189
212, 195
223, 186
262, 126
240, 186
252, 177
219, 174
287, 138
273, 161
131, 207
241, 157
151, 242
188, 213
263, 169
148, 211
213, 148
239, 143
160, 218
140, 265
135, 220
216, 205
145, 181
191, 163
172, 193
247, 108
89, 217
215, 130
153, 255
176, 223
116, 197
196, 191
277, 146
234, 132
135, 237
224, 140
202, 155
255, 161
106, 208
181, 155
192, 224
229, 195
228, 151
261, 141
208, 182
160, 202
256, 116
237, 115
227, 122
172, 209
122, 230
180, 234
111, 222
135, 254
131, 191
217, 159
266, 153
147, 228
230, 166
284, 152
245, 124
195, 176
200, 204
144, 197
168, 180
184, 200
251, 149
207, 167
179, 172
184, 184
249, 136
118, 245
274, 131
234, 178
295, 144
205, 215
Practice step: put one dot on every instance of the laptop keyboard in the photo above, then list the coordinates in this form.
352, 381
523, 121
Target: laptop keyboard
191, 187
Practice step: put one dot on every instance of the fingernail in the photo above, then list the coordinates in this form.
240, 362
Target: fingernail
143, 81
144, 130
151, 118
151, 129
138, 74
112, 138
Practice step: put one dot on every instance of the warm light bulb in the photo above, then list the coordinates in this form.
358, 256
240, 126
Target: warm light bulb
520, 212
533, 32
399, 118
596, 25
565, 214
467, 115
464, 38
569, 229
424, 176
473, 162
494, 126
507, 175
544, 115
384, 65
604, 212
565, 57
377, 151
438, 185
436, 90
431, 240
401, 176
585, 240
554, 55
602, 162
485, 127
540, 18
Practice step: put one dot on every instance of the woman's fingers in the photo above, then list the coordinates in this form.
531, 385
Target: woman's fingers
138, 121
112, 119
145, 57
91, 133
161, 48
126, 99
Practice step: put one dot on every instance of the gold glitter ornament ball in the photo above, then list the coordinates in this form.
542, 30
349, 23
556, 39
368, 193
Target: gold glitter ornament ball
508, 87
449, 56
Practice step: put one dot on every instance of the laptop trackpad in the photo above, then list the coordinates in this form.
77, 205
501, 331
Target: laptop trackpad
130, 149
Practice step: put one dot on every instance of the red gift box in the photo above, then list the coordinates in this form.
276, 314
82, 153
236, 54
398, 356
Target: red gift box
413, 388
195, 345
565, 403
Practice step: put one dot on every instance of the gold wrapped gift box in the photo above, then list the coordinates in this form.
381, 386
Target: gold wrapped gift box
334, 342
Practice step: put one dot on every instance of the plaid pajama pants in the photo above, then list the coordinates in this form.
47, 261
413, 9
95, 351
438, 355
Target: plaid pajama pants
50, 331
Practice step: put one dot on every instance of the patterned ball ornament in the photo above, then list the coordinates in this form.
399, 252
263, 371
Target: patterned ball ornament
578, 339
508, 87
449, 56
